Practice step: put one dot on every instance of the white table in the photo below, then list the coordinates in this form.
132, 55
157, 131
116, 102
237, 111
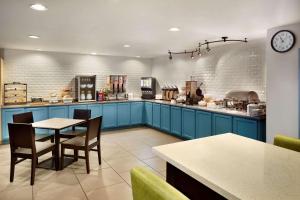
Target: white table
56, 124
233, 167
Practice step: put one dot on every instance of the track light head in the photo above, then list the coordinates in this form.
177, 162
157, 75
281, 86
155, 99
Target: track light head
192, 56
170, 55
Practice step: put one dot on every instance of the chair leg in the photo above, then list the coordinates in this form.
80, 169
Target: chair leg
12, 168
33, 165
62, 156
99, 153
75, 155
52, 139
87, 161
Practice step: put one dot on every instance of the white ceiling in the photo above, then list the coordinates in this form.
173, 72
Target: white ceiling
104, 26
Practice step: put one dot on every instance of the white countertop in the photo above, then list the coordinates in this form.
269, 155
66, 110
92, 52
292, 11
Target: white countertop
237, 167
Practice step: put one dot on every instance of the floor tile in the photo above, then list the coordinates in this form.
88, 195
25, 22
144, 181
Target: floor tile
98, 179
115, 192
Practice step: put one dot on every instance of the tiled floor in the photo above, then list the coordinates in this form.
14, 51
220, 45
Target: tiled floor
121, 151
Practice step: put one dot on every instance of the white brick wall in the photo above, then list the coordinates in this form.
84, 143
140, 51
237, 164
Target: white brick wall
237, 66
230, 67
47, 72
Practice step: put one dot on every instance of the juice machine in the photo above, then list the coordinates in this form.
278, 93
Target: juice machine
148, 87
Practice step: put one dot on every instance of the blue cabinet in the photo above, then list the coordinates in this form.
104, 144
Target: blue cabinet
222, 124
156, 115
176, 120
58, 112
245, 127
165, 118
188, 123
72, 108
96, 110
148, 113
203, 124
123, 117
7, 117
39, 114
137, 109
109, 115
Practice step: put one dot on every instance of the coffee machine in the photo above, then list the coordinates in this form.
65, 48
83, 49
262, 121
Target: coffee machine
148, 87
193, 93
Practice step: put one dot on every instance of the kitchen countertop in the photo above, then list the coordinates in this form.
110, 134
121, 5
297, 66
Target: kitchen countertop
216, 110
237, 167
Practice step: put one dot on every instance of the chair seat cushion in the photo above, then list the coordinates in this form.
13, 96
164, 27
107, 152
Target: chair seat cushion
287, 142
39, 146
74, 133
78, 141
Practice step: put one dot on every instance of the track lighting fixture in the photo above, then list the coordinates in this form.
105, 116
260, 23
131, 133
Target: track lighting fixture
198, 50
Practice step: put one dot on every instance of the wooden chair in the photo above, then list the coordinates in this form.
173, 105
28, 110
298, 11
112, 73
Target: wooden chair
27, 118
84, 114
23, 146
79, 143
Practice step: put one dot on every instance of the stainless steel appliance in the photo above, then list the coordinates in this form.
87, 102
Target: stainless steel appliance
148, 87
117, 86
169, 93
85, 88
238, 100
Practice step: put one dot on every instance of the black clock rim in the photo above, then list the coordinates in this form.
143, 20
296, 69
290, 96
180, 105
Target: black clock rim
288, 48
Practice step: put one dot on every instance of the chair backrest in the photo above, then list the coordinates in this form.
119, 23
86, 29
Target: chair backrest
148, 186
84, 114
26, 118
93, 129
21, 136
287, 142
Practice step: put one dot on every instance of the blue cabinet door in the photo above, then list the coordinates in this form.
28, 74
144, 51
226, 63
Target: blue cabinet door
109, 115
39, 114
58, 112
245, 127
137, 109
156, 115
222, 124
7, 117
188, 123
123, 114
96, 110
176, 120
203, 124
148, 113
165, 118
72, 108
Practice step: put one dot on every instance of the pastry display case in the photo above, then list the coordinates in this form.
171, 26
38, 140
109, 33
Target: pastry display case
15, 93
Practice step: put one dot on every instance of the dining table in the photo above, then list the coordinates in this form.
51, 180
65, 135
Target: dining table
230, 166
56, 124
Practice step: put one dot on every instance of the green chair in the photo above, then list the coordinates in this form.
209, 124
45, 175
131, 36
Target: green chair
287, 142
148, 186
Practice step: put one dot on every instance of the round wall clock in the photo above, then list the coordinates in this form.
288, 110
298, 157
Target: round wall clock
283, 41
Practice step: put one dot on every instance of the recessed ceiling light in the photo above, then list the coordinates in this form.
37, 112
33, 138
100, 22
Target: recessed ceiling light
39, 49
174, 29
137, 56
38, 7
126, 45
34, 36
93, 53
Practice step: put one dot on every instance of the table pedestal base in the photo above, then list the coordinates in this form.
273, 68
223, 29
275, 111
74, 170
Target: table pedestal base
50, 163
190, 187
